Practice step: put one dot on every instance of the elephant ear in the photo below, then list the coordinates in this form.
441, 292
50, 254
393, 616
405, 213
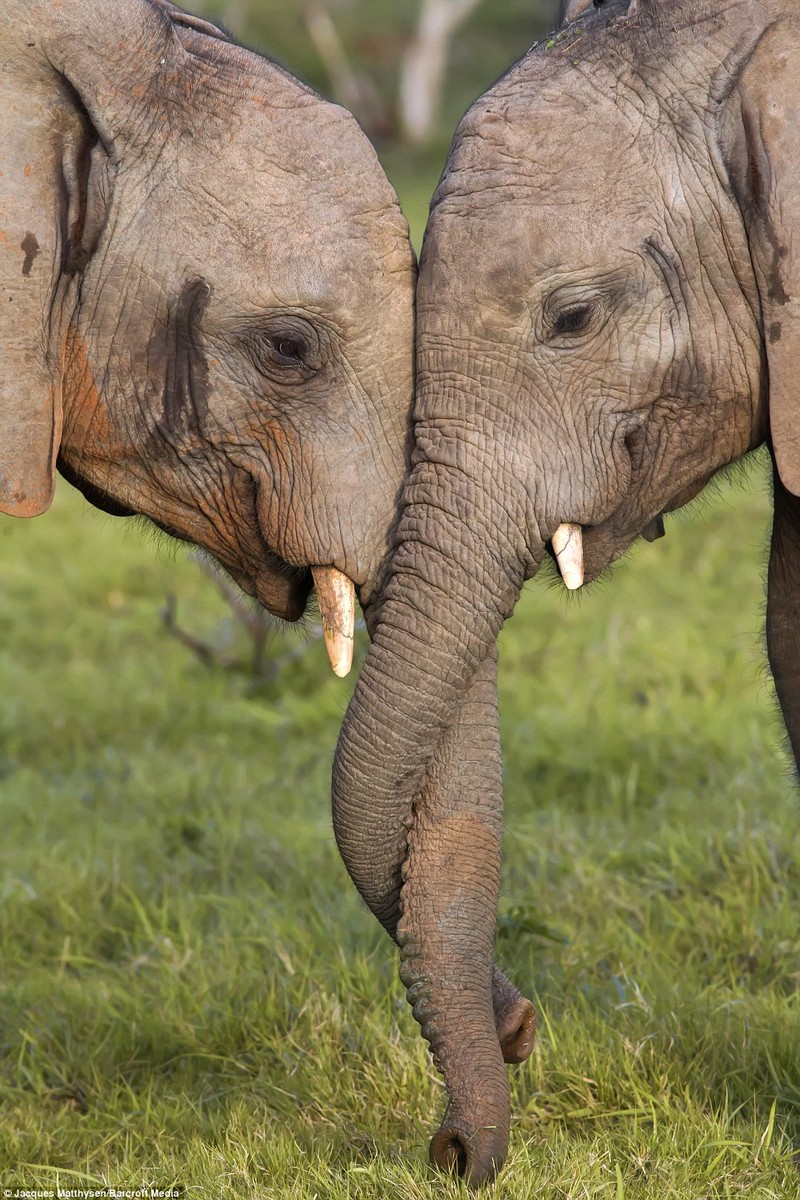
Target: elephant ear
75, 77
30, 234
769, 188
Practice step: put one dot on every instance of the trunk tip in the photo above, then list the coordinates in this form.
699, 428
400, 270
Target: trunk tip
517, 1032
476, 1158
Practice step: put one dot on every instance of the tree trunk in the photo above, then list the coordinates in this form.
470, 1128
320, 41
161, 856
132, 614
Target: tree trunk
424, 65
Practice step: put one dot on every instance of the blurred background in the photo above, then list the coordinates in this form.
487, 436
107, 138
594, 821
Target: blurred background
408, 69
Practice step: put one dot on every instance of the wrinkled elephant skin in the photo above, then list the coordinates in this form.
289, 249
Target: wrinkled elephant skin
608, 313
202, 320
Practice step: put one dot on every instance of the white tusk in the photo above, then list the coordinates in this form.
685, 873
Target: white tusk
567, 542
337, 603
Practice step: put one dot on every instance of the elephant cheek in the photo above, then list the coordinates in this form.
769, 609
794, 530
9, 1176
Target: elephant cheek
88, 433
688, 493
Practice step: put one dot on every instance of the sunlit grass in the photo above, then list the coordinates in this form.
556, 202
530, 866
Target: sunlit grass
191, 992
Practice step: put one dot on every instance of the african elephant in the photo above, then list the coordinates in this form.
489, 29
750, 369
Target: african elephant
608, 312
201, 319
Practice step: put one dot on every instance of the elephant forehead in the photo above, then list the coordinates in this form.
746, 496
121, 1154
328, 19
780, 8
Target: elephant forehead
309, 259
552, 162
268, 226
311, 157
583, 132
527, 242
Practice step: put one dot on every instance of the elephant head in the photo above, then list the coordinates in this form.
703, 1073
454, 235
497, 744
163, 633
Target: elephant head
608, 297
206, 299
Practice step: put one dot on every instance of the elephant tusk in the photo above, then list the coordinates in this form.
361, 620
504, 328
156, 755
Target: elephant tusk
337, 603
567, 542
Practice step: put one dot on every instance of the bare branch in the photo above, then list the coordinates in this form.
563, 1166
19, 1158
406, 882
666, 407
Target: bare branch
208, 654
350, 87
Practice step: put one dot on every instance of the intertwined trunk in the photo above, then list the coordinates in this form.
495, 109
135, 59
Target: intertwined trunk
418, 795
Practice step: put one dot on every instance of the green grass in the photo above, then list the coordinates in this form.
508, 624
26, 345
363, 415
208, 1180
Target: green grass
191, 992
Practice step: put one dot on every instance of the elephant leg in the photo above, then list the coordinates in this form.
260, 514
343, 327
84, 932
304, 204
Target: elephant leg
783, 608
446, 935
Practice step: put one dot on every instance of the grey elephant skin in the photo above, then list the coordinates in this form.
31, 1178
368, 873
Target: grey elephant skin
206, 310
608, 313
206, 297
202, 320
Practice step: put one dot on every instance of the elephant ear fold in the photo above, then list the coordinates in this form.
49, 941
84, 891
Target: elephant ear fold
30, 249
770, 194
77, 84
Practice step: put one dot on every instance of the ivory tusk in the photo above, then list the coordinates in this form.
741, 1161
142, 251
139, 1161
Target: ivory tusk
567, 542
337, 603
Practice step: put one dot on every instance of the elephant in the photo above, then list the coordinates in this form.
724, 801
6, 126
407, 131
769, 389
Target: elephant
608, 314
201, 320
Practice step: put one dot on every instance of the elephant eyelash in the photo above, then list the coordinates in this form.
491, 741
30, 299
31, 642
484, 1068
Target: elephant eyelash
573, 320
285, 356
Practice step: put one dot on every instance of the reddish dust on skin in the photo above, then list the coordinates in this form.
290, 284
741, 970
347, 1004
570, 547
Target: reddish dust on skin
88, 418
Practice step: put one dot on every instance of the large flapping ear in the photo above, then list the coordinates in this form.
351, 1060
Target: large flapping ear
30, 400
75, 76
770, 105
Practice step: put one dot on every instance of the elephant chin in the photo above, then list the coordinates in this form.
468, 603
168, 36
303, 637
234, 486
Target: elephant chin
282, 590
688, 493
601, 547
604, 544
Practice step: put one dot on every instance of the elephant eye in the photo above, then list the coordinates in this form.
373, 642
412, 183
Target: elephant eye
572, 320
289, 349
286, 350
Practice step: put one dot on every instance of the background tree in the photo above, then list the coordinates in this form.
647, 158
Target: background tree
407, 69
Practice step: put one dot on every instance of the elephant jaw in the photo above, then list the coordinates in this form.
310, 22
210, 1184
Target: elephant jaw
583, 552
286, 595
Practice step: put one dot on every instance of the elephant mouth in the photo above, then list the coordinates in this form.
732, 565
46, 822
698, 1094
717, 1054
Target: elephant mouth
582, 552
280, 588
286, 595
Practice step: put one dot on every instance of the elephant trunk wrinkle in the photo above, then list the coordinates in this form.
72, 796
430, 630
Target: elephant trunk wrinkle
446, 933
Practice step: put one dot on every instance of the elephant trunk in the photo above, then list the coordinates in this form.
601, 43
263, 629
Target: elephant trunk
418, 799
451, 880
447, 594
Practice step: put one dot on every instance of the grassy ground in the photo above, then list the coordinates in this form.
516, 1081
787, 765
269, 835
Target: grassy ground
191, 992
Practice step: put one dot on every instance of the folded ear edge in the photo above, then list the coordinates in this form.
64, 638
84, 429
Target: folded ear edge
768, 187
